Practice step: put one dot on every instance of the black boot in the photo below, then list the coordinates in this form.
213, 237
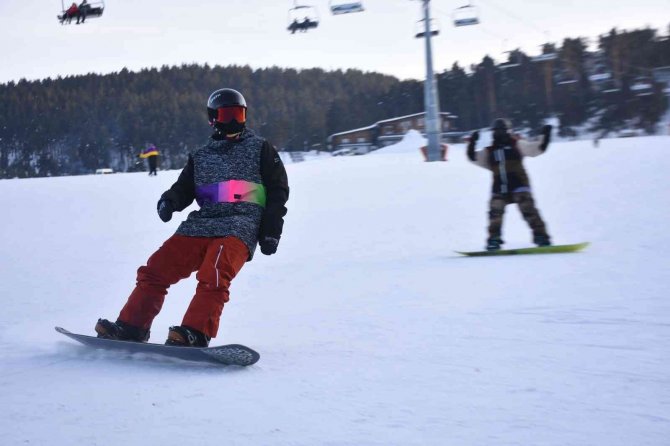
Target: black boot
120, 331
493, 243
542, 240
182, 336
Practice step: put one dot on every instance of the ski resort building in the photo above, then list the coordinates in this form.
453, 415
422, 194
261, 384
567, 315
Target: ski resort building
387, 132
662, 75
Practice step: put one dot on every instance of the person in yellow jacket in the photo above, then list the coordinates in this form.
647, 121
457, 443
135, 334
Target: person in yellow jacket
150, 153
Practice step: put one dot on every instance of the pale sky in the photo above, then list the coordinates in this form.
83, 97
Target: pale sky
149, 33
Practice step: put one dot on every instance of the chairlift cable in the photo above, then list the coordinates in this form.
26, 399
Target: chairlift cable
497, 36
516, 17
485, 29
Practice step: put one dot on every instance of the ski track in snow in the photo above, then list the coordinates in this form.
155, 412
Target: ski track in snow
371, 330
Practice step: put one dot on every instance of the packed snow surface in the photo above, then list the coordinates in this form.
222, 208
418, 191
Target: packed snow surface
371, 330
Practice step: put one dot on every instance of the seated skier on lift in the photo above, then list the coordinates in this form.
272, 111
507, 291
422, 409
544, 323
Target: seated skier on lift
70, 13
84, 8
302, 26
294, 26
308, 23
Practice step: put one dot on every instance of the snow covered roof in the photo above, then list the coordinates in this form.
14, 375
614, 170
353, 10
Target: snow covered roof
346, 132
448, 115
384, 121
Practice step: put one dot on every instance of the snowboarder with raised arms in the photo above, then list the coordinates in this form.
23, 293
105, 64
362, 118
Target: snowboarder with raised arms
240, 184
504, 158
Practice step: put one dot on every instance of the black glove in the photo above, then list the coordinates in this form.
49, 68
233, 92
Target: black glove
546, 133
475, 136
165, 209
268, 245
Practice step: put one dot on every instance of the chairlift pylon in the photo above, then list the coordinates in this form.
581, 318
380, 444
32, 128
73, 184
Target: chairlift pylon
93, 9
466, 15
302, 18
420, 29
340, 7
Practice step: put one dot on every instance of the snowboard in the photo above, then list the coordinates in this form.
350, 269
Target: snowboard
536, 250
232, 354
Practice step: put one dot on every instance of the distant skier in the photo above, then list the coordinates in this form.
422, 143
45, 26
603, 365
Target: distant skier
510, 180
70, 13
83, 9
294, 26
240, 183
150, 153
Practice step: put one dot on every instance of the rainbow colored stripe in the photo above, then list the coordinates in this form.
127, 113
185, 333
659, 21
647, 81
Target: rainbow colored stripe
233, 191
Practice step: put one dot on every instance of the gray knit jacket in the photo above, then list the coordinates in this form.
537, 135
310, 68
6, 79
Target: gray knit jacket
249, 158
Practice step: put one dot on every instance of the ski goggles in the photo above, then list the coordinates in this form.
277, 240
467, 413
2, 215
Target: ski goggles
224, 115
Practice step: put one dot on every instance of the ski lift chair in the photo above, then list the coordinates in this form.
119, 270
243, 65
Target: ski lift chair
95, 9
420, 28
338, 7
302, 18
466, 15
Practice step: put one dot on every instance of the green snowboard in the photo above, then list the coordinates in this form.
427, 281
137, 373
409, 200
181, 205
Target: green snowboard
537, 250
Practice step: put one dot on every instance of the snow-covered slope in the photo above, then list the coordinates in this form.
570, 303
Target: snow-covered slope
371, 330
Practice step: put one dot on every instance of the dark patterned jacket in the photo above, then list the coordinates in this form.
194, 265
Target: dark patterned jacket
505, 159
241, 187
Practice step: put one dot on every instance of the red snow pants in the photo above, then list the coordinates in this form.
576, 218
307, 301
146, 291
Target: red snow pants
216, 260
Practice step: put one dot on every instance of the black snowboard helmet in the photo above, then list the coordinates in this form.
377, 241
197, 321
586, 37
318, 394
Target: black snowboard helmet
500, 129
227, 111
501, 124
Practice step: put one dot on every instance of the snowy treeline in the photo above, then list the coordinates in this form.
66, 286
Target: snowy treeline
76, 124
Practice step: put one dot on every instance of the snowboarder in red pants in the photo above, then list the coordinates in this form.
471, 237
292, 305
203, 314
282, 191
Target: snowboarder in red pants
510, 180
240, 183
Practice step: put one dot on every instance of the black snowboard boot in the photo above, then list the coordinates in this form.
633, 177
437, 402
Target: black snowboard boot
182, 336
120, 331
541, 240
493, 243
